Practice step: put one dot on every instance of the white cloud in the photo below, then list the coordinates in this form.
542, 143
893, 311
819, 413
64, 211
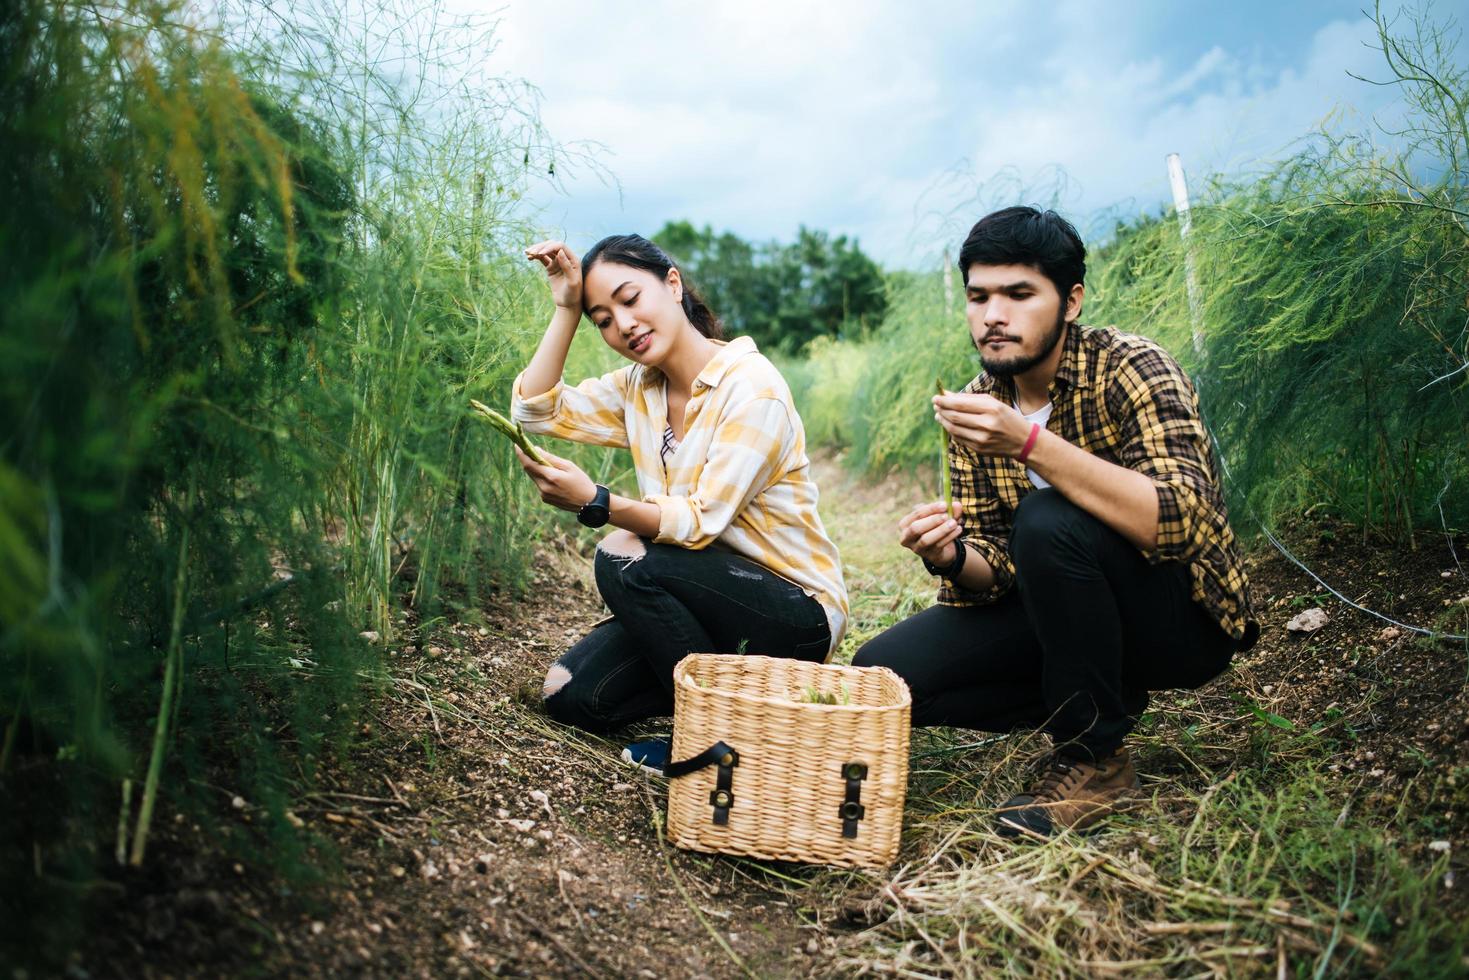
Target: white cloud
761, 115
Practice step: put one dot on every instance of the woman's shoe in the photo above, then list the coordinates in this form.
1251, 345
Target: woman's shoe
650, 756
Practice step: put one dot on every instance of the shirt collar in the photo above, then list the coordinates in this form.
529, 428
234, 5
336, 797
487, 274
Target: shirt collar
724, 359
1072, 371
719, 365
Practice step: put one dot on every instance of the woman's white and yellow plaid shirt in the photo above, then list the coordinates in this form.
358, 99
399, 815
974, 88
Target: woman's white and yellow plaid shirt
739, 480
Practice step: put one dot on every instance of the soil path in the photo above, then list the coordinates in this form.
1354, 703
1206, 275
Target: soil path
479, 837
471, 836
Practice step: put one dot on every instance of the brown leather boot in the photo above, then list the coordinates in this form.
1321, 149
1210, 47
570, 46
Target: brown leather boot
1071, 794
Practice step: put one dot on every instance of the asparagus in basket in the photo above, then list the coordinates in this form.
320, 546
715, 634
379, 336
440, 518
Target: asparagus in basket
507, 428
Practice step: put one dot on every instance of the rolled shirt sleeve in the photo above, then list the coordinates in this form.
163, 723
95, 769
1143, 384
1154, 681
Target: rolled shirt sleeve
593, 412
986, 523
1163, 438
744, 458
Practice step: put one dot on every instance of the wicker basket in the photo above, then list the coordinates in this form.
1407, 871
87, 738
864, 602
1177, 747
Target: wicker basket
760, 769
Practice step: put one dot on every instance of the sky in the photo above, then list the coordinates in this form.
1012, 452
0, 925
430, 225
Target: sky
901, 123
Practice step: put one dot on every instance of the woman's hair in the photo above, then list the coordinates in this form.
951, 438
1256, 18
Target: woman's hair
639, 253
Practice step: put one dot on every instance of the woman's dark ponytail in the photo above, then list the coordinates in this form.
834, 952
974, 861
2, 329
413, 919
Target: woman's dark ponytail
699, 313
639, 253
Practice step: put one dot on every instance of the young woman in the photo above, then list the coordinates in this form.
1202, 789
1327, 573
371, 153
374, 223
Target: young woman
722, 551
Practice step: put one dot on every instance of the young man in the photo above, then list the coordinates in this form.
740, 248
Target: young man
1089, 559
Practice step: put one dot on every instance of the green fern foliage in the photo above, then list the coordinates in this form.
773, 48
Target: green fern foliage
242, 321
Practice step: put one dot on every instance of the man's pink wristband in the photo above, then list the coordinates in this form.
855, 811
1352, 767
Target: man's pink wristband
1035, 431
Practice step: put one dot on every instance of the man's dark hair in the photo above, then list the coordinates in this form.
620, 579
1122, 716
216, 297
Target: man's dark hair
1027, 236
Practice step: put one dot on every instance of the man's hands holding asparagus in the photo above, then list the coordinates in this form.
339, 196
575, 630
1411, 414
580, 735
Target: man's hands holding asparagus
930, 533
982, 422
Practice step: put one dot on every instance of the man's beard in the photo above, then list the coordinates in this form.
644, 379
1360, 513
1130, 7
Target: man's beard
1022, 363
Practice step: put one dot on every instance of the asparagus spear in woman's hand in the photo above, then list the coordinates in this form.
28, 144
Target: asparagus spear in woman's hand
510, 429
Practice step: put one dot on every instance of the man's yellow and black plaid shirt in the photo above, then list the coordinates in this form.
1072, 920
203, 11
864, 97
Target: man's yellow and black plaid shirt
1125, 399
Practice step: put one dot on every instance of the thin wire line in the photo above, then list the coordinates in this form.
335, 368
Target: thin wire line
1371, 612
1444, 523
1228, 477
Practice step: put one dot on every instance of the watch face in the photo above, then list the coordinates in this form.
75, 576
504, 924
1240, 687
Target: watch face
596, 513
593, 515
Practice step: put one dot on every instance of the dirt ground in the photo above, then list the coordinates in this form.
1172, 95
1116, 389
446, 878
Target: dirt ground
471, 836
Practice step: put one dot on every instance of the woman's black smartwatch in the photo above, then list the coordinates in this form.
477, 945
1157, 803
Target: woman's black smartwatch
955, 567
596, 513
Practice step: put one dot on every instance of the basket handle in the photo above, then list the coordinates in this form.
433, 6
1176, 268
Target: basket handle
718, 754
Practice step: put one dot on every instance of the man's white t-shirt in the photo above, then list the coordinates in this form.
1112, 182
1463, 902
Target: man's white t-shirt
1040, 416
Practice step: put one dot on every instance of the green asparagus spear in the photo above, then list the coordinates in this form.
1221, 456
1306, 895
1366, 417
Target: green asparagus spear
944, 460
510, 429
814, 695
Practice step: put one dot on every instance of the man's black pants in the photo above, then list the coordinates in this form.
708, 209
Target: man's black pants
1089, 628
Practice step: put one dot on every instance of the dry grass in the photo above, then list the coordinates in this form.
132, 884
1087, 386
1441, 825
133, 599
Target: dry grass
1247, 857
1216, 874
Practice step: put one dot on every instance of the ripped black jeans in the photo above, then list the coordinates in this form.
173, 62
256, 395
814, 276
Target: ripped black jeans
667, 603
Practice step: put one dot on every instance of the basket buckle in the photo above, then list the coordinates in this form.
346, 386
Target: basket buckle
852, 809
721, 798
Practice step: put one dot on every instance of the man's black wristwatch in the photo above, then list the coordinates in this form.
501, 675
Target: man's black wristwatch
596, 513
954, 568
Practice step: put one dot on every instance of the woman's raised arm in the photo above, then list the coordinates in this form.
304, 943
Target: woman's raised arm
563, 275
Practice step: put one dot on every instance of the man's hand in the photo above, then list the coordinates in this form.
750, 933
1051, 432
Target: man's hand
982, 422
561, 482
930, 533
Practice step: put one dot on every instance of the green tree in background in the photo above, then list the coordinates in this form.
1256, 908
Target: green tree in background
784, 296
722, 268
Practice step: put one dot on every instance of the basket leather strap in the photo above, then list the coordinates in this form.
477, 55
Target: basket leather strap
721, 798
852, 809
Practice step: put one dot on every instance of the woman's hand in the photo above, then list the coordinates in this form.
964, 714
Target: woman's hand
982, 422
563, 272
930, 533
561, 482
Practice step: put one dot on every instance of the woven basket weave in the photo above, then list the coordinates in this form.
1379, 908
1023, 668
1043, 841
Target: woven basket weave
796, 795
